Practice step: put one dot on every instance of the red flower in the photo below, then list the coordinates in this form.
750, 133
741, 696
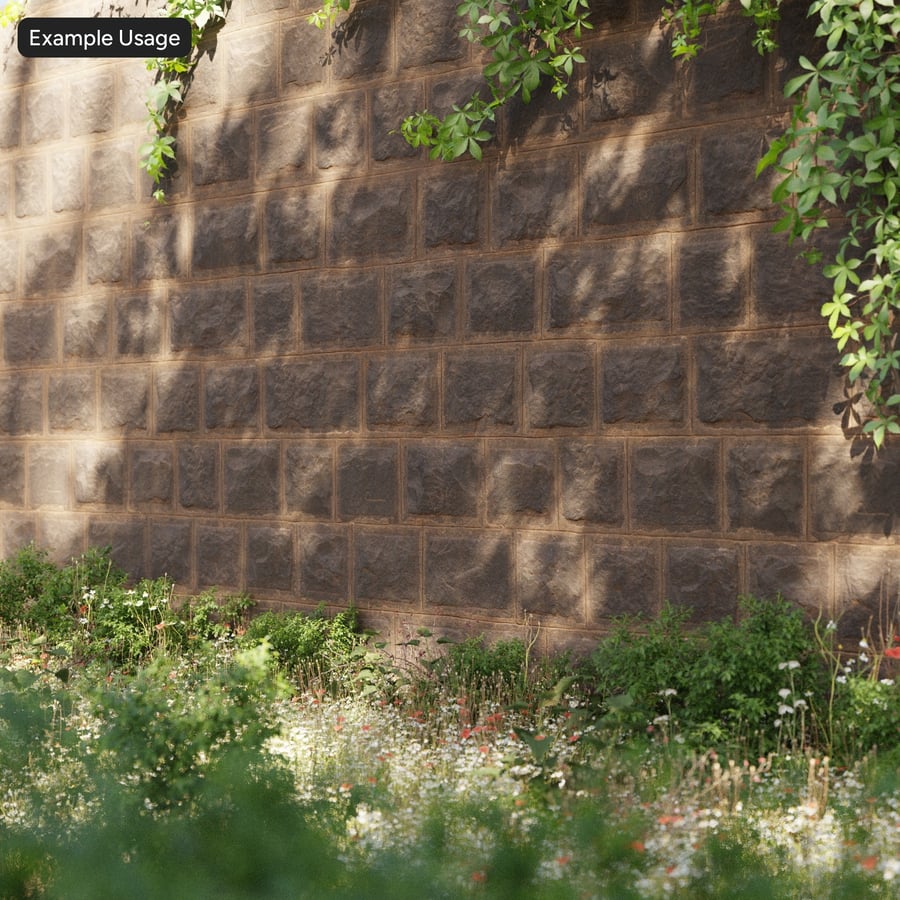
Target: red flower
892, 653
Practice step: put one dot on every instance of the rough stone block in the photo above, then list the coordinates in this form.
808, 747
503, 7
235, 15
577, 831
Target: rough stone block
501, 296
367, 482
422, 302
139, 319
469, 570
764, 485
560, 388
106, 253
712, 281
294, 225
309, 480
314, 395
867, 586
251, 63
728, 173
372, 219
112, 175
624, 577
71, 401
16, 532
152, 476
232, 397
731, 71
21, 404
283, 141
544, 118
100, 474
124, 399
62, 535
534, 201
325, 563
801, 574
675, 484
51, 262
550, 576
90, 110
252, 479
170, 551
155, 247
126, 543
178, 399
453, 208
442, 480
198, 477
31, 187
430, 34
364, 42
480, 389
302, 55
45, 112
10, 119
639, 184
704, 579
270, 558
391, 104
340, 309
610, 287
386, 566
520, 483
592, 490
12, 485
9, 267
48, 476
218, 555
644, 385
226, 235
274, 315
220, 151
753, 381
29, 334
340, 131
208, 318
402, 391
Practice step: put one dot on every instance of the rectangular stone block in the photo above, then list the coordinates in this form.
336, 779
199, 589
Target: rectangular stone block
422, 302
389, 106
31, 187
295, 223
712, 281
219, 556
367, 482
270, 558
152, 476
302, 54
112, 175
12, 485
372, 219
16, 532
10, 119
21, 404
198, 477
155, 243
232, 397
139, 324
386, 566
560, 388
501, 297
72, 401
220, 151
800, 573
453, 208
67, 181
106, 254
29, 334
442, 480
124, 399
251, 62
521, 483
284, 141
610, 287
274, 315
309, 480
728, 181
125, 540
171, 551
645, 385
481, 390
177, 399
469, 570
315, 395
624, 578
63, 535
364, 45
402, 391
592, 490
674, 484
45, 112
703, 578
550, 577
340, 131
208, 318
732, 72
226, 235
100, 473
341, 309
9, 265
251, 476
431, 34
867, 586
325, 564
90, 111
49, 467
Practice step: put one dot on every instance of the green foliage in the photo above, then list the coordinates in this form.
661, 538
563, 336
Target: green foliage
12, 12
327, 14
687, 18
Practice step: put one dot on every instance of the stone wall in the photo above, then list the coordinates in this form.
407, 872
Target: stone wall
572, 381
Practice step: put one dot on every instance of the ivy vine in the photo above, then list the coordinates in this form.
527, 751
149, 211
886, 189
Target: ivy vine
12, 12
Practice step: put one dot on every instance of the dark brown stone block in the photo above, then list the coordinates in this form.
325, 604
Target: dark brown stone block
340, 125
704, 579
386, 565
800, 573
453, 208
442, 480
372, 219
593, 481
139, 319
21, 404
155, 247
124, 399
220, 151
251, 61
867, 584
422, 302
729, 70
367, 482
430, 34
274, 315
29, 334
469, 571
550, 576
100, 474
390, 105
624, 578
324, 564
71, 401
171, 551
226, 235
480, 389
560, 388
125, 541
284, 136
12, 485
295, 224
106, 254
152, 476
340, 309
521, 483
364, 41
644, 385
178, 399
198, 477
232, 397
728, 178
208, 317
302, 55
501, 297
309, 480
218, 555
252, 479
48, 476
712, 281
86, 330
402, 391
270, 558
317, 395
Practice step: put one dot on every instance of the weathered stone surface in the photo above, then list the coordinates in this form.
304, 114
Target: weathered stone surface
704, 579
340, 309
12, 485
592, 490
218, 555
124, 399
340, 131
364, 41
386, 565
309, 480
712, 281
644, 385
125, 540
480, 389
71, 401
453, 208
51, 262
155, 247
21, 404
402, 391
422, 302
325, 563
730, 71
442, 480
521, 483
469, 570
764, 486
232, 397
251, 63
283, 141
391, 104
274, 315
100, 474
675, 484
550, 576
431, 34
226, 235
178, 399
45, 112
560, 388
270, 558
252, 479
106, 253
139, 319
62, 535
90, 111
16, 532
29, 334
152, 476
10, 119
867, 587
170, 551
752, 381
728, 173
294, 225
638, 184
198, 478
112, 175
220, 151
372, 219
614, 286
544, 118
302, 55
31, 187
801, 574
9, 254
624, 578
48, 476
315, 395
208, 317
501, 296
367, 482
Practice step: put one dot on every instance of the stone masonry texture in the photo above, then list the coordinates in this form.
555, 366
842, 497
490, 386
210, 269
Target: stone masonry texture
572, 381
